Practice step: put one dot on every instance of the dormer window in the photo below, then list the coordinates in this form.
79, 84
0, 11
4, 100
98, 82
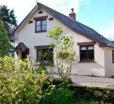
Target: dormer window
40, 25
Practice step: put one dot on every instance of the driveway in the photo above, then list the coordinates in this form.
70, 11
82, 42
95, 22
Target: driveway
95, 82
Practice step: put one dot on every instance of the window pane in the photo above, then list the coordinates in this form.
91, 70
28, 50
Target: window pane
44, 22
83, 57
38, 28
84, 48
90, 48
48, 54
44, 28
40, 53
38, 23
90, 56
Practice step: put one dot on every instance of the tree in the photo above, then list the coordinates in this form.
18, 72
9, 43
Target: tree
8, 18
64, 53
4, 41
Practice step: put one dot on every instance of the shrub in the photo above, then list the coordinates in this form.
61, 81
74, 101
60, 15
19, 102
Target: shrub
59, 95
21, 85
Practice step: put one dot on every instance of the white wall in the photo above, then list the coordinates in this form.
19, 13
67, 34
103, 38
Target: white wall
108, 62
28, 36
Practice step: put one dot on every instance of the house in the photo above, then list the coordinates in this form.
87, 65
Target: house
94, 53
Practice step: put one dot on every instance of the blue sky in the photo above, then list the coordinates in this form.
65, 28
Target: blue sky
98, 14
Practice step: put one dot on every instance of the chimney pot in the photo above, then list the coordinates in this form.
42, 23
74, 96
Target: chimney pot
72, 10
72, 15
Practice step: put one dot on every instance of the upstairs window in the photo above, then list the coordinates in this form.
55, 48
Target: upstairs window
40, 25
87, 53
112, 56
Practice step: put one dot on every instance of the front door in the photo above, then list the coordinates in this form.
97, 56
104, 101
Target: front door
24, 55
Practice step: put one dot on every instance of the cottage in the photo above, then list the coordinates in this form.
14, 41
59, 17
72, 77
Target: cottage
94, 53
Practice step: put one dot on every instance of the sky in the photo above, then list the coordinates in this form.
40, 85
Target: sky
97, 14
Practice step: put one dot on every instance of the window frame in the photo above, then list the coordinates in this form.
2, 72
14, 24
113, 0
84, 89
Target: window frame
41, 25
87, 52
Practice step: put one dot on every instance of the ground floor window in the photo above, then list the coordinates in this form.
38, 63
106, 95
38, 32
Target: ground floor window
45, 54
87, 53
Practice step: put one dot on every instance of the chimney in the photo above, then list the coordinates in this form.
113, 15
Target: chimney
72, 15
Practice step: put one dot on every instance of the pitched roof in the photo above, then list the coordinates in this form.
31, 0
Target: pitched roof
21, 47
75, 26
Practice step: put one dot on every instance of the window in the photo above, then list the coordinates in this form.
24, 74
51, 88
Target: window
45, 55
87, 53
112, 56
40, 25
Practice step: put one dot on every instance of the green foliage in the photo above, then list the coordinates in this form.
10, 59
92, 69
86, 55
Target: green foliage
81, 101
65, 42
59, 95
55, 33
4, 41
21, 85
64, 53
9, 19
8, 15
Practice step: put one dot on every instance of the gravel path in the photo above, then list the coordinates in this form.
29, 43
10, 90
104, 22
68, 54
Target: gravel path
100, 82
95, 82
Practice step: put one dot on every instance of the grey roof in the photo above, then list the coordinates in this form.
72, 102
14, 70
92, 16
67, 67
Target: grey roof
76, 26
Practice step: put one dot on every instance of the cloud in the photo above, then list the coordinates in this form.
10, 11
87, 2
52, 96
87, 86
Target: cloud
58, 2
108, 32
62, 6
23, 7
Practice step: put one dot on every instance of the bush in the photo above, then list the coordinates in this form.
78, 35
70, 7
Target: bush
59, 95
22, 85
